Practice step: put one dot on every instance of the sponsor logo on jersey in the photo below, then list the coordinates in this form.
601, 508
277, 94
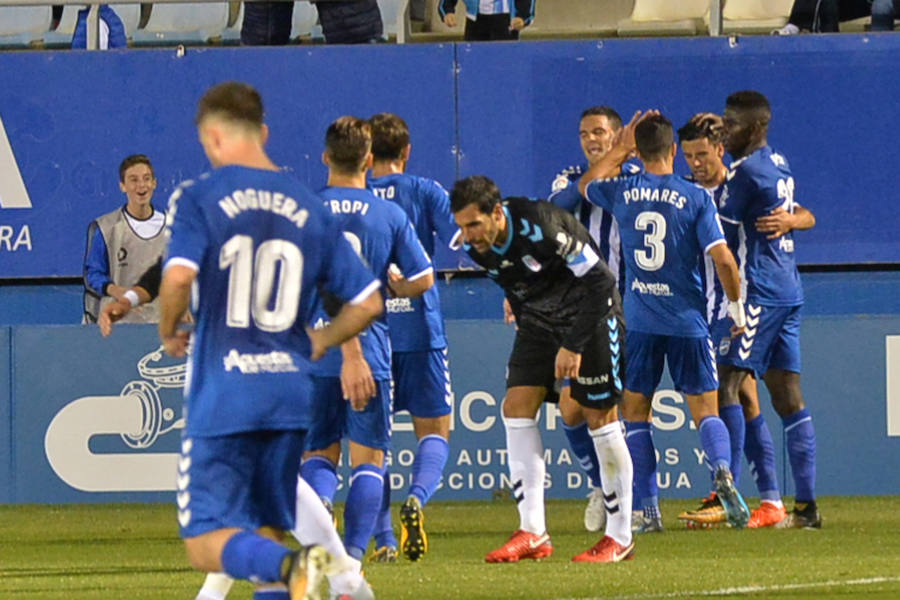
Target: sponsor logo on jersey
592, 380
786, 244
399, 305
267, 362
531, 263
653, 289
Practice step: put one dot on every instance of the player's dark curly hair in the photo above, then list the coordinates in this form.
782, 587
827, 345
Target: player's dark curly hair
703, 125
348, 142
753, 103
390, 136
478, 190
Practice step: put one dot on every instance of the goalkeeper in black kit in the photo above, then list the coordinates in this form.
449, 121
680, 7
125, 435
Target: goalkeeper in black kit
570, 330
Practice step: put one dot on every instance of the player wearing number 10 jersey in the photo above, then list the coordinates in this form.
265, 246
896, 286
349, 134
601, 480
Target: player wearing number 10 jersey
254, 244
666, 224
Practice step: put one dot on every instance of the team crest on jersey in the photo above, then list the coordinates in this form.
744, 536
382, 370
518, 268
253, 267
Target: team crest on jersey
560, 183
531, 263
724, 346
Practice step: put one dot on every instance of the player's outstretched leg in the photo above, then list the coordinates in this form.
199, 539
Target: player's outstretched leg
215, 587
801, 447
583, 448
616, 473
428, 468
385, 542
639, 438
760, 452
314, 525
526, 468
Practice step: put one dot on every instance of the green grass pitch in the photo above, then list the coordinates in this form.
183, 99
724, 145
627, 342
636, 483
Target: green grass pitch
132, 552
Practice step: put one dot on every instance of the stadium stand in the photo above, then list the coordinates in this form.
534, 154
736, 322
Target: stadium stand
755, 16
576, 19
61, 37
665, 18
190, 23
25, 26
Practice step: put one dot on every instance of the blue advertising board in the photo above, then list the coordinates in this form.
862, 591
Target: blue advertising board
506, 110
71, 117
96, 420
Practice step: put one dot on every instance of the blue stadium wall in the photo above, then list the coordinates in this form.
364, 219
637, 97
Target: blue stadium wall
92, 420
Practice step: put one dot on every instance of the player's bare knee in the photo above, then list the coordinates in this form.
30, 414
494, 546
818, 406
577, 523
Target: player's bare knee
200, 554
572, 413
597, 418
636, 407
424, 426
362, 455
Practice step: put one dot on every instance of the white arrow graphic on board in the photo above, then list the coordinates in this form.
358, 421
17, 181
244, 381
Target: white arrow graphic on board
12, 189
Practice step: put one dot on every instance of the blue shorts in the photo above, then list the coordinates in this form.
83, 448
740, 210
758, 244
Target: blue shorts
245, 480
692, 363
422, 383
333, 419
770, 341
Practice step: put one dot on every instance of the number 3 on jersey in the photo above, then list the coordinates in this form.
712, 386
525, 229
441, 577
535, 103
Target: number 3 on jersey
252, 282
653, 258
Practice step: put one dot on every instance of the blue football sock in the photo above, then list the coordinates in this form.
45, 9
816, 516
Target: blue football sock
247, 555
760, 451
643, 458
733, 417
583, 447
715, 442
384, 528
271, 595
362, 508
801, 447
428, 467
321, 475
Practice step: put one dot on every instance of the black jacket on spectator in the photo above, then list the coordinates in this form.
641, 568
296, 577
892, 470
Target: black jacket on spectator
355, 22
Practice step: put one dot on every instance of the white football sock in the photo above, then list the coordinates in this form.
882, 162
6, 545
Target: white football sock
616, 473
315, 526
525, 454
215, 587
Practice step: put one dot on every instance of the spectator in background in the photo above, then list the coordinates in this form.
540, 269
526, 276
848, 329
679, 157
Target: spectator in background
350, 22
123, 243
490, 20
267, 23
883, 14
822, 16
111, 33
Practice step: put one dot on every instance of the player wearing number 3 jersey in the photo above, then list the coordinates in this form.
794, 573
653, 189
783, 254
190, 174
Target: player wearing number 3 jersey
254, 244
666, 224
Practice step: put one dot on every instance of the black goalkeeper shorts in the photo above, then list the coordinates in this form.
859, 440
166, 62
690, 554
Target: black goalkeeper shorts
599, 382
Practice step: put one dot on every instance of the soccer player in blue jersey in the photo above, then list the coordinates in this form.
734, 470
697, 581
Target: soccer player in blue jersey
666, 223
703, 151
597, 130
760, 181
254, 244
419, 362
361, 372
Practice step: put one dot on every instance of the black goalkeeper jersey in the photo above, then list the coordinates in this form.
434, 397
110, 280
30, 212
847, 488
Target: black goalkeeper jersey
551, 272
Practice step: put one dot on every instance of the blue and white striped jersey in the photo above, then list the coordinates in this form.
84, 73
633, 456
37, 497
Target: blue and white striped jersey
756, 185
382, 234
599, 223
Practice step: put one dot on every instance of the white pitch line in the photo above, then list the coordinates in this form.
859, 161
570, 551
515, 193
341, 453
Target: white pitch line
749, 589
